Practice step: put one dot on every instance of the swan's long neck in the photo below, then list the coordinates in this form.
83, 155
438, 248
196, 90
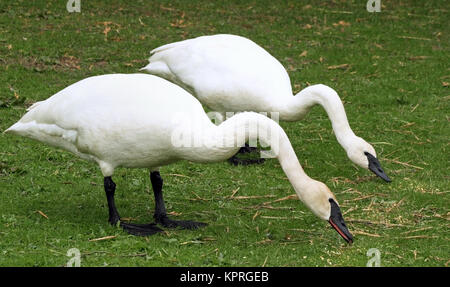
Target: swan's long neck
243, 127
299, 105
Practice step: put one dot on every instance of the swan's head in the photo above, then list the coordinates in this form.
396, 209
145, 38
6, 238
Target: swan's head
363, 154
323, 203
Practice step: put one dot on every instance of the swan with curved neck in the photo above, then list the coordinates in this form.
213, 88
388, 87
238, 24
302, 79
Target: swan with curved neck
121, 120
230, 73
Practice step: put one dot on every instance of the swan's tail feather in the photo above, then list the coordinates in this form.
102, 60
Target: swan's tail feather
19, 126
36, 130
11, 129
161, 69
157, 68
48, 133
157, 65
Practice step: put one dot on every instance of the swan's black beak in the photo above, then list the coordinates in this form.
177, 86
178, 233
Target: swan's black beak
375, 167
337, 221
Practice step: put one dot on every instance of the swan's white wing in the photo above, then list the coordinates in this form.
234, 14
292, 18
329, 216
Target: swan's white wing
225, 72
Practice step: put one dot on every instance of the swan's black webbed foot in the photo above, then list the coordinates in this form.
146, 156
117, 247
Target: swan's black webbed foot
235, 160
160, 208
184, 224
140, 229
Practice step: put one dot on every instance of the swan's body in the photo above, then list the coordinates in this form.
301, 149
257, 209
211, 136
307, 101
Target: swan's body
230, 73
114, 121
136, 120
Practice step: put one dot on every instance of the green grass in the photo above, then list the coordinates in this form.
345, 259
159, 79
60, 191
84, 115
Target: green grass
396, 94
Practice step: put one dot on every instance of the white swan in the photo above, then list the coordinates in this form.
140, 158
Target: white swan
230, 73
144, 121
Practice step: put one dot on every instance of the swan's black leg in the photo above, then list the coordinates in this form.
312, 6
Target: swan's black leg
114, 217
245, 149
160, 208
110, 189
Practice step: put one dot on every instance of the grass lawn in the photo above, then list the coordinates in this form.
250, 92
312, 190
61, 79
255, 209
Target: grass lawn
391, 69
